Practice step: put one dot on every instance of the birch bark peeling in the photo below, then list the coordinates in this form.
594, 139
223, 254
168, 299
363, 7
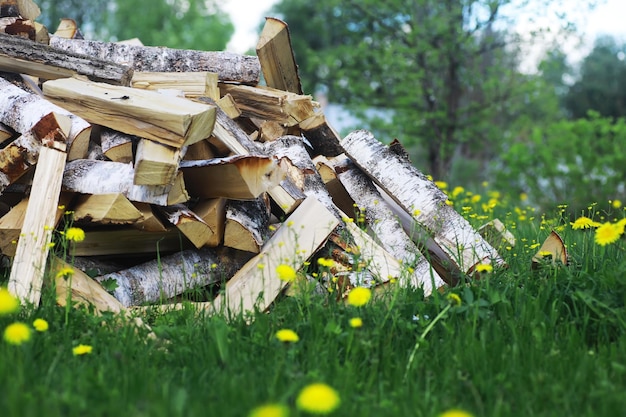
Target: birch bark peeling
32, 250
105, 177
230, 67
240, 177
306, 229
276, 57
159, 280
171, 121
24, 56
420, 198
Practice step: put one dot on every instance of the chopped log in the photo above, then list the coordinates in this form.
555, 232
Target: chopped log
230, 67
241, 177
156, 164
247, 224
496, 234
171, 121
17, 27
161, 279
200, 151
104, 209
29, 263
421, 199
130, 241
324, 139
34, 118
192, 84
552, 251
337, 191
68, 29
105, 177
6, 133
189, 223
33, 58
271, 130
213, 213
11, 223
286, 108
257, 283
117, 146
148, 222
276, 57
227, 103
27, 9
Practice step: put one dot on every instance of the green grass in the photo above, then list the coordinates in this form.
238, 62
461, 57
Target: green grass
546, 342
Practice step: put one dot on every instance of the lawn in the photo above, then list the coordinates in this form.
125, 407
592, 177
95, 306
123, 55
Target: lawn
517, 342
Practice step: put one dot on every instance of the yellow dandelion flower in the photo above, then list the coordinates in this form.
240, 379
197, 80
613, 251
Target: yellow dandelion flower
287, 335
65, 272
441, 184
455, 413
40, 325
318, 398
356, 322
483, 268
286, 273
272, 227
545, 254
290, 223
61, 207
8, 303
75, 234
270, 410
328, 263
454, 299
523, 196
82, 350
607, 234
475, 198
616, 204
584, 223
449, 202
261, 266
17, 333
457, 190
620, 225
417, 212
359, 296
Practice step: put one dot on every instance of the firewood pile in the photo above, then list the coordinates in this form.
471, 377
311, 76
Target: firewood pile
186, 172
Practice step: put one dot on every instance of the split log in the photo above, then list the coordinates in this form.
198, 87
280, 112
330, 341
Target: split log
213, 213
496, 234
192, 84
337, 191
12, 222
240, 177
161, 279
271, 130
148, 222
247, 224
33, 58
68, 29
230, 67
171, 121
104, 209
104, 177
189, 223
130, 241
421, 199
227, 103
200, 151
6, 133
284, 107
324, 139
34, 118
29, 263
23, 8
276, 57
117, 146
257, 284
156, 164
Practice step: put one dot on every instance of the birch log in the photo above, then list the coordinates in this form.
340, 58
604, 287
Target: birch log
104, 209
24, 56
105, 177
229, 66
159, 280
189, 223
247, 224
117, 146
420, 198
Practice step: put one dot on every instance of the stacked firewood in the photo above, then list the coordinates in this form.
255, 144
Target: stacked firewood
185, 172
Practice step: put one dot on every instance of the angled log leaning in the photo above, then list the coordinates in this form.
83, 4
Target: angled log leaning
171, 121
230, 67
241, 177
276, 57
247, 223
159, 280
385, 226
420, 198
28, 57
257, 283
105, 177
32, 250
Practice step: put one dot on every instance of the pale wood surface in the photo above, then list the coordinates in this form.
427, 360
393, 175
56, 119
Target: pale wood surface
156, 164
247, 223
104, 209
130, 241
189, 223
192, 84
117, 146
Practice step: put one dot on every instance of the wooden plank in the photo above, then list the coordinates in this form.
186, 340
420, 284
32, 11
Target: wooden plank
421, 199
32, 250
276, 57
39, 60
192, 84
230, 66
171, 121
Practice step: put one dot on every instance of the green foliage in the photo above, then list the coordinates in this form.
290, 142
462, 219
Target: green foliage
567, 162
190, 24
